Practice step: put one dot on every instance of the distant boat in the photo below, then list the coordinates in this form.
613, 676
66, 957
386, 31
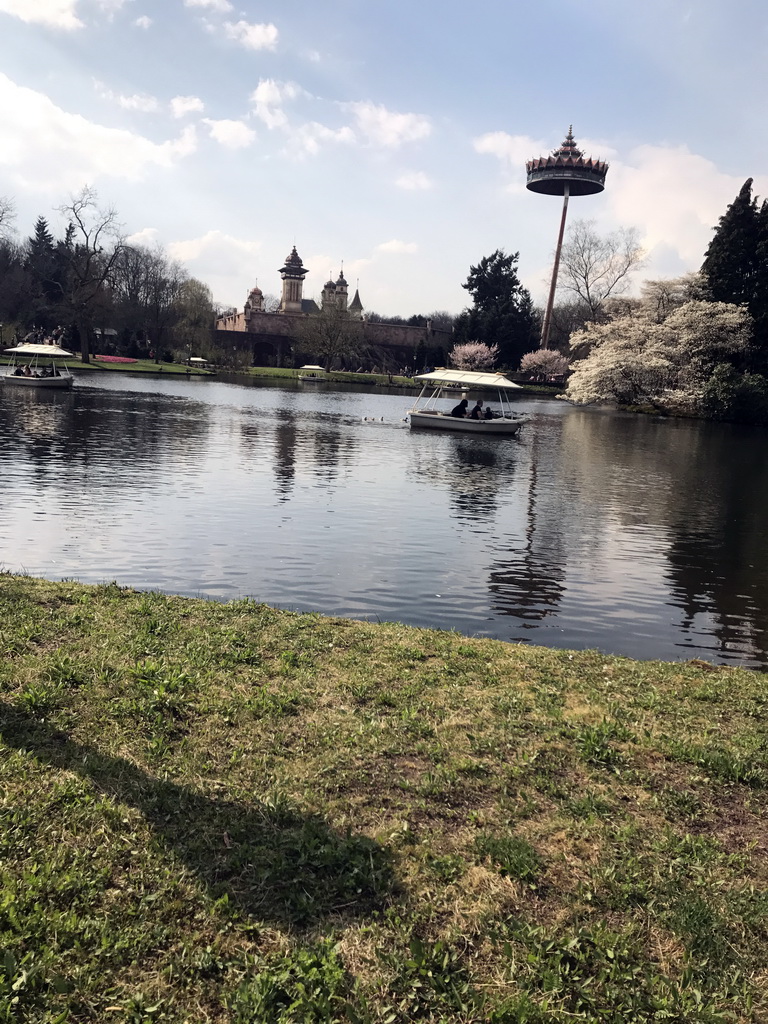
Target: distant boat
312, 374
29, 367
442, 384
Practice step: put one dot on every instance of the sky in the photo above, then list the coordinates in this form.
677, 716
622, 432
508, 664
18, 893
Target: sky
384, 135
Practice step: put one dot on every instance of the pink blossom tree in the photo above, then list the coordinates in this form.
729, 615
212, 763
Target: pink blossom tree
545, 362
473, 355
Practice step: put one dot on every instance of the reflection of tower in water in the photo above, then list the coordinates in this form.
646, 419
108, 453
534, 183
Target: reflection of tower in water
528, 585
285, 454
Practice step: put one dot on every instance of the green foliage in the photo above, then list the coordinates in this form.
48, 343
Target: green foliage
502, 311
735, 267
734, 396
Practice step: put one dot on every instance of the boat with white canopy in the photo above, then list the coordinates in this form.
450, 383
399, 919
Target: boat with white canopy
456, 384
312, 374
34, 366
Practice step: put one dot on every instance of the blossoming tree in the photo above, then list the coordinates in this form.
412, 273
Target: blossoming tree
636, 360
473, 355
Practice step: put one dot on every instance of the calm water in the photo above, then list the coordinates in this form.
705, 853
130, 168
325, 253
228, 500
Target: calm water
592, 529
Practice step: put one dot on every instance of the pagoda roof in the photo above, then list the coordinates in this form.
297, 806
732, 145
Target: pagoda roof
566, 165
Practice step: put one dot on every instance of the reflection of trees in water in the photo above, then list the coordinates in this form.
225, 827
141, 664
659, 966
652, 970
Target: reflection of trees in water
706, 485
104, 437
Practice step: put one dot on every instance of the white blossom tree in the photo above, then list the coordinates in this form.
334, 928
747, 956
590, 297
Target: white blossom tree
473, 355
636, 360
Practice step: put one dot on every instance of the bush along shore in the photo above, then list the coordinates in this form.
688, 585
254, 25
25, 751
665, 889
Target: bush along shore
224, 812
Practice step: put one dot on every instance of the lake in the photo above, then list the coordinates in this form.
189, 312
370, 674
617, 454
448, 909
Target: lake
593, 529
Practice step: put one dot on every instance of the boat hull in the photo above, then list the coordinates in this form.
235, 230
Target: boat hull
65, 381
433, 420
308, 378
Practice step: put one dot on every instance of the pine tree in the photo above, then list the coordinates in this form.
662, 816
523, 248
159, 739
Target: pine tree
730, 266
502, 312
735, 267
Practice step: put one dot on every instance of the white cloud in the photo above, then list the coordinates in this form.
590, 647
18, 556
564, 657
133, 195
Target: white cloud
212, 5
268, 98
146, 237
645, 191
396, 246
45, 147
252, 36
414, 180
384, 127
510, 149
181, 105
53, 13
146, 104
232, 134
216, 249
307, 139
143, 22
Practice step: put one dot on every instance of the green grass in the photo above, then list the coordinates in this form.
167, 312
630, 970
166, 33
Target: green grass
227, 813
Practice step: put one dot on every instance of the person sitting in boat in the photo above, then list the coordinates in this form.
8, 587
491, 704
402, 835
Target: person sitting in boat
460, 410
488, 414
18, 372
27, 371
477, 411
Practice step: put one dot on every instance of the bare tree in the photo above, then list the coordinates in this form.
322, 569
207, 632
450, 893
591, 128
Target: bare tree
331, 333
7, 216
91, 249
596, 267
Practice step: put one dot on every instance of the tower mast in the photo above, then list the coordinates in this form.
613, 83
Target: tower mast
566, 172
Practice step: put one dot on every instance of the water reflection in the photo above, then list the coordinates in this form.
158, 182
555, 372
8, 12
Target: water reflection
591, 529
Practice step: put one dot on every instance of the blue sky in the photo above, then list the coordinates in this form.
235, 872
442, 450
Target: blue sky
386, 134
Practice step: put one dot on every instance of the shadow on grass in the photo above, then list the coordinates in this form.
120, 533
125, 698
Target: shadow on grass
267, 861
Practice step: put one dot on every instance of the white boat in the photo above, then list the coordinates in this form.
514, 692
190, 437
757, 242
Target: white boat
312, 374
454, 385
30, 367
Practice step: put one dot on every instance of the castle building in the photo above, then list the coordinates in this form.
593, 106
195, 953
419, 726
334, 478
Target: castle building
335, 293
274, 339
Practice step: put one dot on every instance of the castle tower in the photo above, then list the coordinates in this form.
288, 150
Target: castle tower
341, 290
253, 304
293, 273
328, 297
356, 307
567, 172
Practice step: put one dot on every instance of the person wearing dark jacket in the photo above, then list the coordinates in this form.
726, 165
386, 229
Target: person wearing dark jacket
460, 410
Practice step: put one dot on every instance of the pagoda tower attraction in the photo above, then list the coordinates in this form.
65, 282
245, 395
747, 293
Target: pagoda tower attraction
567, 172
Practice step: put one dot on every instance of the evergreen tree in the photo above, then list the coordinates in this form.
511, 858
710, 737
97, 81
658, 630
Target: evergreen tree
730, 265
502, 312
46, 272
735, 267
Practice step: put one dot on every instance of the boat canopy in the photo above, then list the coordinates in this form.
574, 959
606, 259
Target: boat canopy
197, 359
38, 350
469, 378
311, 366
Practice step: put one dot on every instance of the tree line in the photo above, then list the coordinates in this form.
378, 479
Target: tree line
91, 281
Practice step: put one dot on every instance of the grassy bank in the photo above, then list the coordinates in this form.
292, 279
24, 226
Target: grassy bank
229, 813
139, 366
